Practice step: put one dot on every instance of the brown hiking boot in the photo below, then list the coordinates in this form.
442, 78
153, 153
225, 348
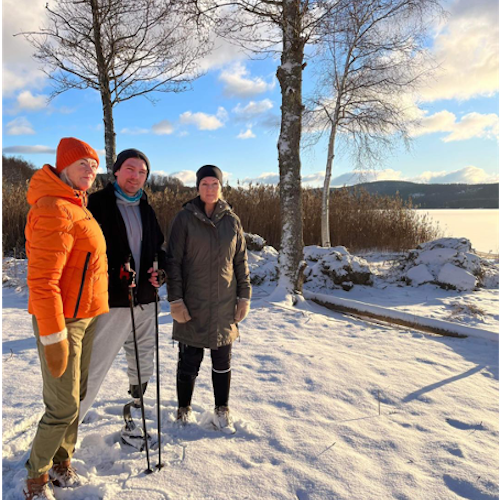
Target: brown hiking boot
223, 421
39, 488
185, 416
64, 475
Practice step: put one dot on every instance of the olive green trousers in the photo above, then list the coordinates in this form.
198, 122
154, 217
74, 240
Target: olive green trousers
57, 432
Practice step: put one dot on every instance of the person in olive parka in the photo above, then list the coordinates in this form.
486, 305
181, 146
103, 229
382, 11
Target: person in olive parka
209, 291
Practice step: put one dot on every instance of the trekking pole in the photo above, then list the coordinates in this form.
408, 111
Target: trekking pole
159, 465
141, 395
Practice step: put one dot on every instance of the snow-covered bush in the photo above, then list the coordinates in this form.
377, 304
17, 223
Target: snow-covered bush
254, 241
489, 273
334, 267
263, 265
446, 262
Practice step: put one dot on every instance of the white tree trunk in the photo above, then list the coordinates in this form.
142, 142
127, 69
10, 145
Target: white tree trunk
289, 75
325, 205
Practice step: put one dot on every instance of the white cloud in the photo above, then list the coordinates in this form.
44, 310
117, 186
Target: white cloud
163, 128
20, 126
134, 131
360, 176
237, 85
27, 101
470, 126
466, 49
253, 108
475, 125
466, 175
187, 177
265, 178
19, 69
29, 150
224, 54
203, 121
248, 134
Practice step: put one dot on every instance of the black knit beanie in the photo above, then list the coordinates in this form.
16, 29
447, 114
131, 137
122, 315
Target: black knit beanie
130, 153
208, 171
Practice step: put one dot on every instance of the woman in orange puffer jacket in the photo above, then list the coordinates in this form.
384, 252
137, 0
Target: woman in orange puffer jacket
68, 289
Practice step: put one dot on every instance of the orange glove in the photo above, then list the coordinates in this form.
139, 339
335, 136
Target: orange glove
242, 310
179, 312
56, 356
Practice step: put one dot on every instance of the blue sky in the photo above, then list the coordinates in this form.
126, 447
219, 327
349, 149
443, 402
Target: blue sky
230, 118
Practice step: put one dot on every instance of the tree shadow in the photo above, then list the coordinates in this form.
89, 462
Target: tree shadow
441, 383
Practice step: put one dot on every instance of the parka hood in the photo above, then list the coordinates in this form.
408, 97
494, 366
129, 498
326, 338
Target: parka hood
45, 182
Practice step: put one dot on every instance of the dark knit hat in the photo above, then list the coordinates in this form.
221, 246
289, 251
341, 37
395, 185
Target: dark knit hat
208, 171
70, 150
130, 153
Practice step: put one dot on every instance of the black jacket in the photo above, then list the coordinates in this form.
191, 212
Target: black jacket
104, 208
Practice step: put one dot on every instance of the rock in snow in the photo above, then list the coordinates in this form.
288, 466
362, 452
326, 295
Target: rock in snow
447, 262
419, 274
454, 277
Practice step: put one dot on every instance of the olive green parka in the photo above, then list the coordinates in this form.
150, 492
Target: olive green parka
207, 268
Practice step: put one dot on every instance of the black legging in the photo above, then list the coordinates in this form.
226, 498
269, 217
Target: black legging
188, 366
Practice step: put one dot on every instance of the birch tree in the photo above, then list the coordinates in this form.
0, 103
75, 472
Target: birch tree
121, 48
373, 59
285, 27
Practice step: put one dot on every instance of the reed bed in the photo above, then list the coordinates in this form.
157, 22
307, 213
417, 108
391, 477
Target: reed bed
358, 220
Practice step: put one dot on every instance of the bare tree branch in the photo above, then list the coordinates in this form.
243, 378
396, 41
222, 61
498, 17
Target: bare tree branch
121, 48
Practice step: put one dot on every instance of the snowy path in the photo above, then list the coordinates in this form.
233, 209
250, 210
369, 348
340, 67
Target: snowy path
305, 395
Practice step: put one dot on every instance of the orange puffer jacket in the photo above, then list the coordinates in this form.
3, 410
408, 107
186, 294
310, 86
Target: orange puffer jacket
67, 264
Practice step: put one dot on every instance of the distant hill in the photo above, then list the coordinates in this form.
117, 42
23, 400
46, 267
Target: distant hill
437, 195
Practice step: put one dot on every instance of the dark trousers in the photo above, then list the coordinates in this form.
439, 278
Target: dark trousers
188, 366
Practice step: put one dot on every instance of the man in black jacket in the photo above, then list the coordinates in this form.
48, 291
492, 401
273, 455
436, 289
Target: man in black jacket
133, 236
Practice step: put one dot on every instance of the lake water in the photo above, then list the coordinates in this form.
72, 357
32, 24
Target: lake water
479, 226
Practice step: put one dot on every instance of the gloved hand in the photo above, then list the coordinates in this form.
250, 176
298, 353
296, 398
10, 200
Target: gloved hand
242, 310
56, 356
179, 311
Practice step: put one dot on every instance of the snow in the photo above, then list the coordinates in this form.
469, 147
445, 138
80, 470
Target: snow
335, 266
438, 326
456, 277
448, 262
395, 282
326, 406
419, 275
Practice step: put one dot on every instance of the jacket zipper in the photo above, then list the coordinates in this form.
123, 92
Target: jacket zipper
82, 283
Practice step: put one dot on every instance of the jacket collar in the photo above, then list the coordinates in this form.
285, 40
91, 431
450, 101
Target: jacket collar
46, 182
197, 207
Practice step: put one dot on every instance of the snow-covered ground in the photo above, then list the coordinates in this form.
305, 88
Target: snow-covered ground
326, 406
332, 272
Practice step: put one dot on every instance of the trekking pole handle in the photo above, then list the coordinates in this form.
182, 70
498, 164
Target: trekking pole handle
127, 273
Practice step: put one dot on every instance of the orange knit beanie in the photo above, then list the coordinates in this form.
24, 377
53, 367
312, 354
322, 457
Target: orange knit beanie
70, 150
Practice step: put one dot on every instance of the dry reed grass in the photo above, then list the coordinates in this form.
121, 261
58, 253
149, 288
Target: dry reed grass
358, 220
